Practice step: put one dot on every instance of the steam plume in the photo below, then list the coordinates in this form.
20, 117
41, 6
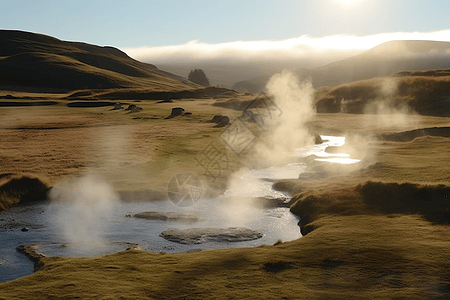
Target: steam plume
288, 131
87, 205
389, 109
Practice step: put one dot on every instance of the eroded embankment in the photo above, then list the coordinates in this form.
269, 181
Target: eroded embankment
373, 198
23, 189
408, 136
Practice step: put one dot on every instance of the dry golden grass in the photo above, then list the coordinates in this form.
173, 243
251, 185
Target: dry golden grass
420, 92
135, 151
356, 247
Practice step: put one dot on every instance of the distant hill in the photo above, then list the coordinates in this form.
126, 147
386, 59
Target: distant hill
30, 61
423, 92
383, 60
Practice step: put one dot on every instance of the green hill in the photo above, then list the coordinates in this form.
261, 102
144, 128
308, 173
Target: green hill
30, 61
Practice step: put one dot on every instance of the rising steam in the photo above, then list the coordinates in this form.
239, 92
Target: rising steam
388, 108
85, 210
288, 131
284, 132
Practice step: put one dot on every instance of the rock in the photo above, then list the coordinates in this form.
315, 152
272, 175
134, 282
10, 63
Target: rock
182, 217
216, 118
24, 229
176, 111
318, 139
133, 108
224, 121
203, 235
221, 120
118, 105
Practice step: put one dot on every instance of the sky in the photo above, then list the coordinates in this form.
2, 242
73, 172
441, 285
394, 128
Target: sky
127, 24
172, 31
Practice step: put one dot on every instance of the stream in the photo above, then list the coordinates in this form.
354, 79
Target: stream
121, 230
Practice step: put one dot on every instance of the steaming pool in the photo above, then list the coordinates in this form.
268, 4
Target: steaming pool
120, 230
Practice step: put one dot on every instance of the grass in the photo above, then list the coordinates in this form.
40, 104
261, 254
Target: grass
426, 93
134, 151
371, 232
405, 257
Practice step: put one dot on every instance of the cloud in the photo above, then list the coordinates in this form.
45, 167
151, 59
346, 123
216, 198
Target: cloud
318, 49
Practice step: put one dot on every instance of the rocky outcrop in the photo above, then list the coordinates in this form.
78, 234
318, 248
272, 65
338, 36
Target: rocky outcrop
182, 217
203, 235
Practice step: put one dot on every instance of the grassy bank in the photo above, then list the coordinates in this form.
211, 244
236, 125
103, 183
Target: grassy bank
362, 256
21, 189
423, 92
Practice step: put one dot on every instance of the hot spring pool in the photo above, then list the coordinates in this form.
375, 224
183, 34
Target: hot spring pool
119, 230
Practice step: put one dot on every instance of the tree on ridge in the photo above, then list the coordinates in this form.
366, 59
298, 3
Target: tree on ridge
199, 77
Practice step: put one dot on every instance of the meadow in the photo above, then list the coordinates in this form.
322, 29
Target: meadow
375, 230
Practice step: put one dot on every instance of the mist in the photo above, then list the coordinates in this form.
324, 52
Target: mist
283, 133
388, 109
228, 63
84, 208
288, 131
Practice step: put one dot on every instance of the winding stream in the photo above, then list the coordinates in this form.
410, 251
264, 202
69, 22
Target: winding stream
123, 230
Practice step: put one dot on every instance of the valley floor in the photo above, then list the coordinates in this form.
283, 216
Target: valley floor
364, 237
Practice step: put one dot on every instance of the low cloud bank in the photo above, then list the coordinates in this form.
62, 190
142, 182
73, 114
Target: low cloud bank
328, 48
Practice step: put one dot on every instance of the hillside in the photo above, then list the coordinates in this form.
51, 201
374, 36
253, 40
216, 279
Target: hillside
423, 92
30, 61
383, 60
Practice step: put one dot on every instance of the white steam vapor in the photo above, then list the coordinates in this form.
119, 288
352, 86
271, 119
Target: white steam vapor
284, 133
388, 109
86, 207
288, 131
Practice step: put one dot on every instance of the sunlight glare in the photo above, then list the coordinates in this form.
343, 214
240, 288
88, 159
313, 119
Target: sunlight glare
348, 2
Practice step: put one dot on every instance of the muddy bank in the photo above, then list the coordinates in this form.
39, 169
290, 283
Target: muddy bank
203, 235
32, 254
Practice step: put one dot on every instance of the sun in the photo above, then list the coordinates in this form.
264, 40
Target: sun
348, 2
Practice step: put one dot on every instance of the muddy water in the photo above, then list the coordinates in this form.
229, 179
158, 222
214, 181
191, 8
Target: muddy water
123, 230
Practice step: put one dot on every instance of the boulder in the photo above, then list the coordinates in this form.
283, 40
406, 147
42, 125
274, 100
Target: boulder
133, 108
176, 111
117, 105
221, 120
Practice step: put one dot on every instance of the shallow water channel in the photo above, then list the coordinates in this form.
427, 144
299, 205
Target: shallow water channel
120, 230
